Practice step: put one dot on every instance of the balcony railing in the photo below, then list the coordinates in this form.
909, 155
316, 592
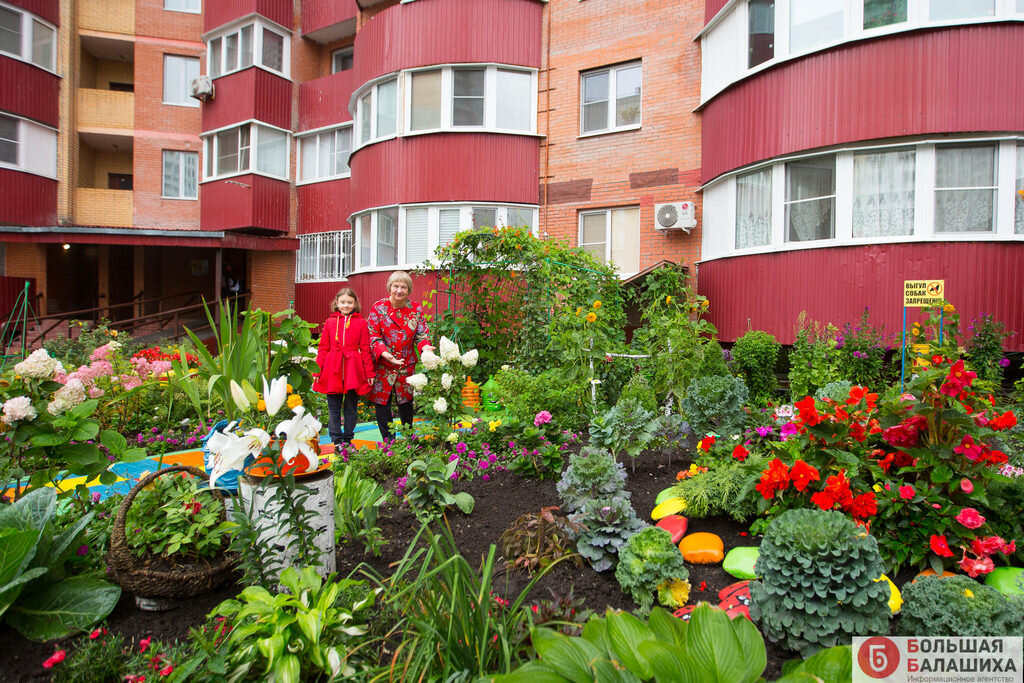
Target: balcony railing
103, 207
105, 109
108, 16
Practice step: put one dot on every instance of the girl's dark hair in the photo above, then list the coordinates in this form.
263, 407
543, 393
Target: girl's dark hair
348, 291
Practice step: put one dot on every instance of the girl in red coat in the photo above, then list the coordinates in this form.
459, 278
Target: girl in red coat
346, 366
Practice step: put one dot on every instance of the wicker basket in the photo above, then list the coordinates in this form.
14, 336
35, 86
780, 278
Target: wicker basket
183, 580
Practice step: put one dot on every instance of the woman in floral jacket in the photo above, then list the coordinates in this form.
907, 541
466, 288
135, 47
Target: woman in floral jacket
397, 332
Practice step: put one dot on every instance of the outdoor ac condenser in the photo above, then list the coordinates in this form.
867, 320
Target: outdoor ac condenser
675, 216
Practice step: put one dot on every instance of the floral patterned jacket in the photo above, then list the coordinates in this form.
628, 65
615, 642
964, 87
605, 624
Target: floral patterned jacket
403, 332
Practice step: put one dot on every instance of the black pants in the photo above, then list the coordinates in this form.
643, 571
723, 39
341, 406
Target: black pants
384, 416
334, 409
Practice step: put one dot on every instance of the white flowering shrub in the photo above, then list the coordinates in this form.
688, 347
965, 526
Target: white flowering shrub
439, 383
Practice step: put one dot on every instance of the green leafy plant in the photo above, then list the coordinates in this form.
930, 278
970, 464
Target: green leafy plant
959, 606
626, 429
714, 361
813, 359
832, 664
715, 404
297, 635
592, 474
173, 517
725, 489
37, 597
837, 391
537, 540
524, 394
648, 564
861, 350
565, 613
638, 389
984, 347
709, 648
357, 502
754, 355
429, 489
818, 585
606, 525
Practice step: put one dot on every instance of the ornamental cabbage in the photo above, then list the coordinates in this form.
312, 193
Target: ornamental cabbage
648, 561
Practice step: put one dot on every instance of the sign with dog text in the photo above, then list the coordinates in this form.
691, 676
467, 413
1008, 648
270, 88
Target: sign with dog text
920, 293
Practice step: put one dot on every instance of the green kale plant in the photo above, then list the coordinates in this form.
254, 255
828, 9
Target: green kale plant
959, 606
648, 564
605, 526
591, 475
625, 429
715, 404
837, 391
818, 585
754, 354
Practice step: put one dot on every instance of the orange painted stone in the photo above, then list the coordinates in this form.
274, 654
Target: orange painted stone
675, 525
702, 548
930, 572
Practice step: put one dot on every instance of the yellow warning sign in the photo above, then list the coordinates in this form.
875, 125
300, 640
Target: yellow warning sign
919, 293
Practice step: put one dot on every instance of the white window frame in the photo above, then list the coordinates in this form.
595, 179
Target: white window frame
210, 151
181, 174
349, 51
607, 213
318, 134
28, 29
259, 27
447, 99
365, 110
936, 190
324, 256
197, 3
433, 241
36, 148
612, 72
719, 238
724, 39
187, 99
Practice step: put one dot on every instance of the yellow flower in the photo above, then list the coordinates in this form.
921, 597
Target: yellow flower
113, 333
294, 401
948, 309
290, 390
578, 309
591, 317
597, 305
704, 304
494, 424
261, 405
968, 593
668, 300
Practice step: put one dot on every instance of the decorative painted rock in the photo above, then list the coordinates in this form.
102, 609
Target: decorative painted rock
739, 590
684, 612
701, 548
669, 507
737, 611
895, 599
740, 561
929, 572
675, 525
1006, 580
665, 494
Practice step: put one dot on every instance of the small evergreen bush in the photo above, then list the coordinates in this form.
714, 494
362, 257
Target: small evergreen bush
818, 588
714, 361
606, 526
754, 355
959, 606
715, 404
725, 489
591, 475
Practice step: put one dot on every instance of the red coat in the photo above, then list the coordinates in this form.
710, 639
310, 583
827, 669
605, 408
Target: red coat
403, 331
344, 356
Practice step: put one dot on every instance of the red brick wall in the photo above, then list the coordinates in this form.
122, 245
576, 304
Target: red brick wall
26, 259
271, 279
591, 34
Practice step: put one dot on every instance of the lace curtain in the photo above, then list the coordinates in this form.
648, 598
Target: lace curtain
1018, 214
965, 192
810, 199
754, 209
883, 194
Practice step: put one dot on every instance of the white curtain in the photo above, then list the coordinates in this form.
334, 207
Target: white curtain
416, 228
810, 199
625, 250
814, 22
883, 194
387, 108
961, 9
754, 209
426, 100
965, 190
515, 100
272, 151
1018, 215
448, 225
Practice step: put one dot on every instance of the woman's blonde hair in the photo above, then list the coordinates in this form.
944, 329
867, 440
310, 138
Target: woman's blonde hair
399, 276
346, 291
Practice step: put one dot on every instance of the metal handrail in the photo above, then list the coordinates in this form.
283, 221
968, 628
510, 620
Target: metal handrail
175, 313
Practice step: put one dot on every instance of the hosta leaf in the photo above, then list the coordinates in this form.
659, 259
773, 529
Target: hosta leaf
62, 608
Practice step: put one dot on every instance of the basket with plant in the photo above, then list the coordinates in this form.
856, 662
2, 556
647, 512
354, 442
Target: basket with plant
179, 537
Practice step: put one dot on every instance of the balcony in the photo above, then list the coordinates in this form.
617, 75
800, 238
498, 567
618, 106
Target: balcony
111, 208
107, 16
106, 109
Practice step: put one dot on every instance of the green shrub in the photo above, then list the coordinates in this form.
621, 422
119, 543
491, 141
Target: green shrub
818, 587
754, 355
647, 564
523, 395
714, 361
357, 502
638, 389
715, 404
593, 474
837, 391
959, 606
984, 348
813, 359
606, 526
725, 489
861, 352
1006, 495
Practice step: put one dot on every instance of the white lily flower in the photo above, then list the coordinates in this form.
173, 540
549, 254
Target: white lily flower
431, 360
238, 395
229, 450
298, 431
275, 394
417, 381
440, 405
446, 381
449, 350
470, 358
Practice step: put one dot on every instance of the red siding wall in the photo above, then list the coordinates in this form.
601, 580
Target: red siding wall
29, 91
263, 205
439, 31
711, 8
446, 167
249, 94
216, 13
318, 14
768, 291
324, 101
324, 206
961, 79
47, 9
27, 199
11, 289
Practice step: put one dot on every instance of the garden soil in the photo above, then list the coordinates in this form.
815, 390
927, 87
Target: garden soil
499, 502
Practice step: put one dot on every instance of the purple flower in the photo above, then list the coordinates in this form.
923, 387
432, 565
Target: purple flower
155, 430
764, 431
1004, 362
486, 477
453, 456
95, 497
789, 429
483, 464
542, 418
82, 550
859, 354
461, 448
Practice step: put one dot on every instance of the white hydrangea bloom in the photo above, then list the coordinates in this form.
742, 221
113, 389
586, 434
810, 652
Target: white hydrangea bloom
431, 360
449, 350
440, 405
446, 381
67, 397
38, 365
19, 408
417, 381
470, 358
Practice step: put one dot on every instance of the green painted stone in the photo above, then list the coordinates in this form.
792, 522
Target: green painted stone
670, 492
1006, 580
740, 561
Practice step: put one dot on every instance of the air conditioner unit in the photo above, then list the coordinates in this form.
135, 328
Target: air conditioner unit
675, 216
202, 88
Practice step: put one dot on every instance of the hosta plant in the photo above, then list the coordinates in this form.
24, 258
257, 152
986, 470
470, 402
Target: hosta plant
536, 540
649, 564
606, 525
818, 585
591, 474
